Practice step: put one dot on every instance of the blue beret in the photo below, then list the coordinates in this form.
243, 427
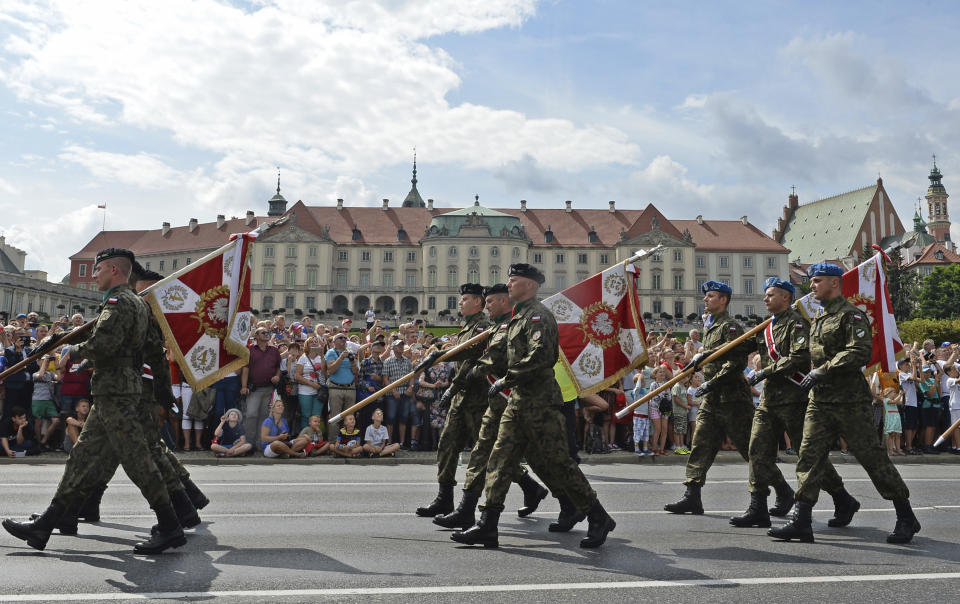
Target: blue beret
824, 269
777, 282
717, 286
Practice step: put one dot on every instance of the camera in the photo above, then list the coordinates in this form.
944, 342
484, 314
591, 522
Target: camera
351, 356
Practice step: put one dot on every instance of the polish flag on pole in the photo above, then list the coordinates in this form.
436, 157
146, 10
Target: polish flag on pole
602, 336
204, 311
865, 286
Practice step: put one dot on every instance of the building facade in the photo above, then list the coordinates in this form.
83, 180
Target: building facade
25, 291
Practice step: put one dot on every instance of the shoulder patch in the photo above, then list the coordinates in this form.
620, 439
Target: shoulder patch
112, 300
479, 329
503, 326
858, 316
535, 318
798, 325
733, 328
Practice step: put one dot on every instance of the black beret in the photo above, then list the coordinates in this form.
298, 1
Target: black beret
114, 252
498, 288
525, 270
472, 288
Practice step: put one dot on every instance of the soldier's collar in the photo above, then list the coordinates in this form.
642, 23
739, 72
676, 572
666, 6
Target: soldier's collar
107, 293
521, 305
833, 304
469, 318
720, 315
504, 317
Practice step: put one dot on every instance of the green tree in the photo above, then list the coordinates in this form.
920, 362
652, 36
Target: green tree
904, 287
939, 293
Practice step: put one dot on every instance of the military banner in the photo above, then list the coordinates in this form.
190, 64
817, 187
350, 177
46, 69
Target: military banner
204, 311
865, 286
602, 336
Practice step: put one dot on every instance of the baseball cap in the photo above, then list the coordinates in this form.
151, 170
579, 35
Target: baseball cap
945, 345
927, 368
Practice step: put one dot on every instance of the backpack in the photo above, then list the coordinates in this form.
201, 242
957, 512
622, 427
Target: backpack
593, 439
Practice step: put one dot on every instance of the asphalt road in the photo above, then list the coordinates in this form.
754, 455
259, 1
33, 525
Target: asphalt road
289, 533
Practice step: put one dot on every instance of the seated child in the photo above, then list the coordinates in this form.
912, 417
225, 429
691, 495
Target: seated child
275, 435
313, 433
229, 438
17, 436
348, 442
75, 423
377, 439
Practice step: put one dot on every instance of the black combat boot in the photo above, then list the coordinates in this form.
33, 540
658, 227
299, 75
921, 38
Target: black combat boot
689, 504
443, 504
800, 528
600, 523
36, 532
568, 518
756, 514
67, 525
199, 500
463, 517
783, 502
907, 524
187, 515
533, 494
844, 507
90, 508
483, 533
169, 533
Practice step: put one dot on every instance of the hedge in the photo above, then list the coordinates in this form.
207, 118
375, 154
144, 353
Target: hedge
938, 330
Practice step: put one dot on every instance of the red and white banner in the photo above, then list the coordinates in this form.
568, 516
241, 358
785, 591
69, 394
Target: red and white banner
865, 286
602, 336
204, 311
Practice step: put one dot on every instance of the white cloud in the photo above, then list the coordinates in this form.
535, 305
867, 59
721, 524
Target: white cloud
333, 88
6, 187
140, 170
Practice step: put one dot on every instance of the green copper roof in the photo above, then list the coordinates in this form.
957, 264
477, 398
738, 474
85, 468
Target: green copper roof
498, 223
827, 229
478, 209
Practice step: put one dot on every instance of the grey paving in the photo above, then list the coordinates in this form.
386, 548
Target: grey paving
335, 527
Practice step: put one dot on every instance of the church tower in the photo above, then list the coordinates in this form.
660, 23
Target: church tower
938, 219
413, 199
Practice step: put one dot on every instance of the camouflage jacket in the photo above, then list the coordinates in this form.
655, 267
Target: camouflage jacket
465, 359
727, 372
791, 339
154, 356
494, 359
532, 348
115, 346
841, 343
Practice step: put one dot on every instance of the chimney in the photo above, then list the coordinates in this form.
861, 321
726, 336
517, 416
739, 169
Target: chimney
165, 229
429, 204
523, 205
250, 218
339, 205
386, 203
744, 221
569, 207
221, 220
193, 224
699, 219
613, 207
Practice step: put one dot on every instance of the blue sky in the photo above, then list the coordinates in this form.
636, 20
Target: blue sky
175, 110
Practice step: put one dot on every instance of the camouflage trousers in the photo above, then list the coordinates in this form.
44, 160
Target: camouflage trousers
113, 430
822, 424
768, 424
170, 467
716, 421
489, 427
460, 429
538, 431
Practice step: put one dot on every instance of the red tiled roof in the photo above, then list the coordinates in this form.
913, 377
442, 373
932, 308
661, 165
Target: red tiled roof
572, 228
927, 256
729, 235
107, 239
376, 225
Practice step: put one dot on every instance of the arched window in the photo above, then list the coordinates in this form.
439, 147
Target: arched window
432, 276
494, 274
452, 276
494, 252
516, 253
474, 251
433, 251
452, 251
473, 275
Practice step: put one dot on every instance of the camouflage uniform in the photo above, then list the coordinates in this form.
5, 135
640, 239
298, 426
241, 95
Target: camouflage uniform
532, 421
493, 362
168, 463
782, 403
467, 406
727, 409
112, 428
840, 404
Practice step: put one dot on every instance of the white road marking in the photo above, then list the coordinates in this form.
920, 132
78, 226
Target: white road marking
453, 589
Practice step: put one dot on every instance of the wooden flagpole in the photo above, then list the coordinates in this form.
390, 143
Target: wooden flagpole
400, 382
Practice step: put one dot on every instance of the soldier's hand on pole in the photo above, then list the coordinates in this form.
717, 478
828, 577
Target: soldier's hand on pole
703, 388
756, 378
811, 379
495, 388
447, 397
695, 361
428, 360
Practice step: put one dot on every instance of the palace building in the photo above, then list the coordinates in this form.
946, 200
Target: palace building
410, 259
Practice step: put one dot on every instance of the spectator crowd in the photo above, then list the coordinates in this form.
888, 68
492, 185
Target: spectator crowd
300, 375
